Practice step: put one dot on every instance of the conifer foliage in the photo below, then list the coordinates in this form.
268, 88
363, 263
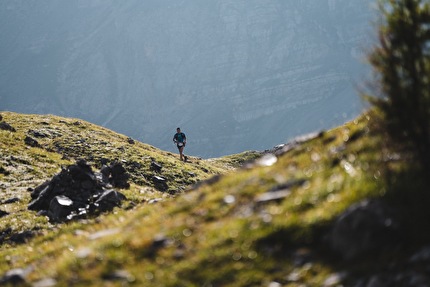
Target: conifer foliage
402, 64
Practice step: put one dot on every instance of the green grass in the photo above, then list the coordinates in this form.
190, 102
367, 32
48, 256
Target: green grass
217, 234
67, 140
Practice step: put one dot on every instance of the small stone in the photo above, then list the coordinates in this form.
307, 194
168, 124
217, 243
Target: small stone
11, 200
334, 279
14, 277
120, 275
103, 233
155, 166
272, 196
31, 142
47, 282
3, 213
267, 160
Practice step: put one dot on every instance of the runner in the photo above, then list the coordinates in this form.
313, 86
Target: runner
180, 140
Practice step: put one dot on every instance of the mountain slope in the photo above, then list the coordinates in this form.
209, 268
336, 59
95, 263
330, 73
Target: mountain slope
275, 222
225, 70
33, 148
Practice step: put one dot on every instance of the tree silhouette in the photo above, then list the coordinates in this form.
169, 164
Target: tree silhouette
402, 64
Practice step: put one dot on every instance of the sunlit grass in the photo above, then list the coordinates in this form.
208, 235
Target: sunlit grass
218, 234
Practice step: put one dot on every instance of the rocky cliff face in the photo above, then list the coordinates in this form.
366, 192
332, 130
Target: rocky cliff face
234, 74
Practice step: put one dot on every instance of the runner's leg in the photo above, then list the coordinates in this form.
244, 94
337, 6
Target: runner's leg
181, 149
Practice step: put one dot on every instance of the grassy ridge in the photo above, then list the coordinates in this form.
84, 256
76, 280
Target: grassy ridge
62, 142
223, 233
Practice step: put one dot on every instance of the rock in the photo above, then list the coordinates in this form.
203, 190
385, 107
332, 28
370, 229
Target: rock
14, 277
77, 192
363, 228
266, 160
109, 200
105, 172
38, 134
155, 166
42, 196
403, 278
60, 208
160, 183
421, 256
119, 275
4, 234
11, 200
21, 237
116, 175
134, 166
272, 196
1, 117
159, 241
104, 233
47, 282
3, 171
119, 176
334, 279
212, 180
6, 127
31, 142
3, 213
130, 141
284, 148
279, 192
289, 184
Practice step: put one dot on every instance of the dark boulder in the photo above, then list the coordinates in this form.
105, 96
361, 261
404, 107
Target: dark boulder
116, 175
21, 237
31, 142
4, 234
7, 127
3, 213
74, 193
11, 200
42, 196
365, 227
109, 199
155, 166
119, 176
4, 171
160, 183
38, 134
60, 208
105, 171
15, 277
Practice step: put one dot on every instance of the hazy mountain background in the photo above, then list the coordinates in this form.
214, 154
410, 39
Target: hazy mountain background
234, 74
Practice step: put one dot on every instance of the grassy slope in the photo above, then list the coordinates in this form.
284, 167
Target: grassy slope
65, 141
218, 234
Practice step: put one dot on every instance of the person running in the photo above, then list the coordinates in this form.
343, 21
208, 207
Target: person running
180, 140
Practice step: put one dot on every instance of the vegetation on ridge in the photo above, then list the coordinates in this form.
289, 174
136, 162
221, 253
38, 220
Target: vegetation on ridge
401, 62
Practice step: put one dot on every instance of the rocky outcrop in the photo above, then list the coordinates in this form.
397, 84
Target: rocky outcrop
78, 192
365, 227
